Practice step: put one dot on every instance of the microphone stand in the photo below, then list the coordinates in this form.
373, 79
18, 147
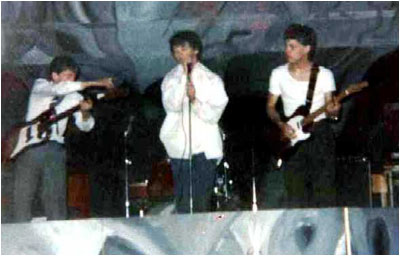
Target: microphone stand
254, 204
127, 163
189, 66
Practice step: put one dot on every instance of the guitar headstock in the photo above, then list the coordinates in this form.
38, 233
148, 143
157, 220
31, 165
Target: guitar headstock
356, 87
115, 93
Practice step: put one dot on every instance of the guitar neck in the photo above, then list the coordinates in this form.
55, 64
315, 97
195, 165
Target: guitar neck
110, 94
64, 114
311, 117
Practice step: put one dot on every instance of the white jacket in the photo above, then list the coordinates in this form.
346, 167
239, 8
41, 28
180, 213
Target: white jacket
210, 102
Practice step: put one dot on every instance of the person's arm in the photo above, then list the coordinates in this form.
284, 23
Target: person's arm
333, 106
286, 129
103, 82
84, 119
210, 99
271, 110
86, 106
173, 91
273, 96
44, 87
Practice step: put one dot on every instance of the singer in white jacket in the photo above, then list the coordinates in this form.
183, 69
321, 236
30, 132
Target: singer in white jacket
190, 82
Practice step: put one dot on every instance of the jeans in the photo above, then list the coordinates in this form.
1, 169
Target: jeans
203, 178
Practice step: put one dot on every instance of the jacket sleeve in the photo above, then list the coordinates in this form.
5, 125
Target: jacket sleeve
211, 99
173, 92
46, 88
86, 125
72, 100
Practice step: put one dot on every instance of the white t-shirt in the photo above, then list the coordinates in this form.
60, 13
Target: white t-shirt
294, 92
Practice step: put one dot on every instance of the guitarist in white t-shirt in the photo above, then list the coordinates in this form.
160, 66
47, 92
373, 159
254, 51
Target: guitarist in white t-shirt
310, 171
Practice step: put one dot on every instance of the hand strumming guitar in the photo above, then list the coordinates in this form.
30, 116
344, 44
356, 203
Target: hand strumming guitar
86, 106
287, 131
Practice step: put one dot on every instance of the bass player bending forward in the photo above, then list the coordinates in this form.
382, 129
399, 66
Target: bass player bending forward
40, 166
309, 173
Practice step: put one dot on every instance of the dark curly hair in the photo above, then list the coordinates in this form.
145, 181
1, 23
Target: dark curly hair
304, 35
187, 36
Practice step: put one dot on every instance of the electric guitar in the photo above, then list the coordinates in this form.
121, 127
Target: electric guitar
302, 123
20, 134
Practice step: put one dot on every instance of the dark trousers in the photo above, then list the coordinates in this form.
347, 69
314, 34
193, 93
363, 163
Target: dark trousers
40, 170
310, 173
203, 178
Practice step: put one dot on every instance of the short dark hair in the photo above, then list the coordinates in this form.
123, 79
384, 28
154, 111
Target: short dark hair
62, 63
187, 36
304, 35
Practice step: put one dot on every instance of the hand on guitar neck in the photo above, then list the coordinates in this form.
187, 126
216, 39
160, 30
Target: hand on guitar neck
87, 104
332, 108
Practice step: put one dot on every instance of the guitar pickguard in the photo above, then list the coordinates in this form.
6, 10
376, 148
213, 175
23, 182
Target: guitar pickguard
296, 124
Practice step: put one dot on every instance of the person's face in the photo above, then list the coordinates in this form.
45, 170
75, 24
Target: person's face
295, 51
64, 76
184, 54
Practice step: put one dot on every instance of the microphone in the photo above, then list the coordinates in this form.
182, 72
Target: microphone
129, 129
189, 71
189, 68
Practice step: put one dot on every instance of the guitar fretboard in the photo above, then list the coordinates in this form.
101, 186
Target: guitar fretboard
310, 118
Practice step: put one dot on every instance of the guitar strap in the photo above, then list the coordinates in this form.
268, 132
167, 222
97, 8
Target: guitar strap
51, 111
311, 86
57, 100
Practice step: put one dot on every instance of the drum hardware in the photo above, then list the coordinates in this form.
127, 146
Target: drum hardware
140, 197
128, 162
254, 203
391, 173
223, 185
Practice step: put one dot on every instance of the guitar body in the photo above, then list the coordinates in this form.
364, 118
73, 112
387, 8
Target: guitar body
8, 144
302, 134
24, 142
302, 122
286, 147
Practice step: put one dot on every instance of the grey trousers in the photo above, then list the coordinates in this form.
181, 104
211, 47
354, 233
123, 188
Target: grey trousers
41, 170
